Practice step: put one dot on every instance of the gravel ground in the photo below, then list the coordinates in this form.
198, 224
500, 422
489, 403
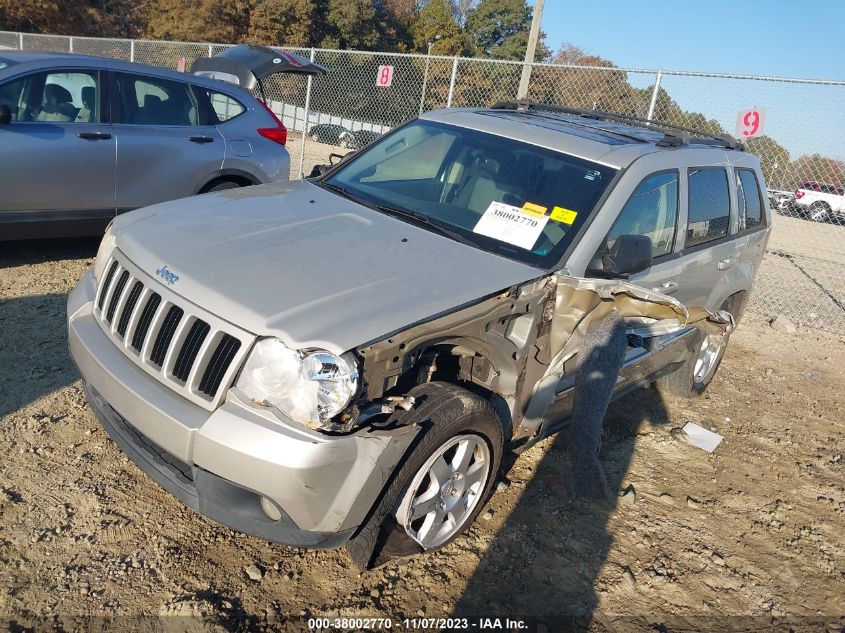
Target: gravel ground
756, 529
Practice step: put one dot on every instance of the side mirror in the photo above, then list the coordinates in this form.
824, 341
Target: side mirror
629, 254
5, 114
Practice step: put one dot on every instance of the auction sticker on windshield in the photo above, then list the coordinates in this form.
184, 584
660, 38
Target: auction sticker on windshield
511, 224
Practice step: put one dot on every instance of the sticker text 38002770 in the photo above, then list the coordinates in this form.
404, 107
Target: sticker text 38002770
511, 224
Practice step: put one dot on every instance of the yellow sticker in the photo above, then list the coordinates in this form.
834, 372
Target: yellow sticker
533, 209
567, 216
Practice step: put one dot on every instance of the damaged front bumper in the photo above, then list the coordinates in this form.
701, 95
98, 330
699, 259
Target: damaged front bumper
223, 463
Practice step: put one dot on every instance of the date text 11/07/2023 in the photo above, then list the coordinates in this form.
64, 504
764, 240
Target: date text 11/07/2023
417, 624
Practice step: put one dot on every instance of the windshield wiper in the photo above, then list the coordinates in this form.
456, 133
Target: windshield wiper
343, 192
423, 219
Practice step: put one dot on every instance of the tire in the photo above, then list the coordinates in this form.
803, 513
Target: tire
315, 137
819, 212
223, 186
453, 420
691, 379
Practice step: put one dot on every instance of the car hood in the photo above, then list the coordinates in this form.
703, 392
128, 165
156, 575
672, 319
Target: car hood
317, 270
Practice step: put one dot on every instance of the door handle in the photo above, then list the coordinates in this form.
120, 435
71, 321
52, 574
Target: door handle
94, 136
667, 287
726, 263
200, 139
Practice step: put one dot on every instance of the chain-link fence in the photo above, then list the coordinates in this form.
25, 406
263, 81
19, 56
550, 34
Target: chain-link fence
802, 153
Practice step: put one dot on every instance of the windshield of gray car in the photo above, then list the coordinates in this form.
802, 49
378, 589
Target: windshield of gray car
492, 192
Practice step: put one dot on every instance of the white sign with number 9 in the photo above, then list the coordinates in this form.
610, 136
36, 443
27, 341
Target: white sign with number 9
384, 77
750, 123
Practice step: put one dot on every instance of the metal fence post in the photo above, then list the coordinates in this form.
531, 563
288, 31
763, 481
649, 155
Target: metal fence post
131, 50
305, 123
70, 44
425, 79
20, 40
452, 83
654, 95
211, 50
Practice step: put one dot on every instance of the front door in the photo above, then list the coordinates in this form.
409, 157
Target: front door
58, 152
163, 151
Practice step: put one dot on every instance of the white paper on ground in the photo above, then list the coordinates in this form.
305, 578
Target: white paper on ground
511, 224
701, 437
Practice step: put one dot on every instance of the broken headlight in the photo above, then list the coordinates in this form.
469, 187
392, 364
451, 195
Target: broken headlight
310, 387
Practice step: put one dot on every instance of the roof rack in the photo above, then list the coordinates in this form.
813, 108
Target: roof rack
673, 135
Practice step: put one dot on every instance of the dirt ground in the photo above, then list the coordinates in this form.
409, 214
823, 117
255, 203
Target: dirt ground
756, 529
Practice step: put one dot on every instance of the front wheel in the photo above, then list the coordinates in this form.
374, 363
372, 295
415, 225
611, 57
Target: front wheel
693, 377
819, 212
223, 186
437, 492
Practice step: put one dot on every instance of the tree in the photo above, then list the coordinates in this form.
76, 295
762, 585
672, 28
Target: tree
500, 30
361, 25
816, 168
123, 18
437, 18
281, 22
199, 20
774, 160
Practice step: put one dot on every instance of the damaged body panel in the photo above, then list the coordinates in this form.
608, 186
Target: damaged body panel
524, 338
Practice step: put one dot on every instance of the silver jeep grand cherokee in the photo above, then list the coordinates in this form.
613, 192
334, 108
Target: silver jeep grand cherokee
343, 360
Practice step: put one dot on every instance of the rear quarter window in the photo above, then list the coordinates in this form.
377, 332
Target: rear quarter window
221, 107
749, 199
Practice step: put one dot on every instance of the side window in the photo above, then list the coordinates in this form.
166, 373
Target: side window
12, 96
54, 97
152, 101
223, 106
709, 205
749, 199
652, 210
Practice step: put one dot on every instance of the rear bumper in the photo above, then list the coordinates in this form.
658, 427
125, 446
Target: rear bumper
223, 462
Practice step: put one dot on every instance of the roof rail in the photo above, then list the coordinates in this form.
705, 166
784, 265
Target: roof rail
673, 135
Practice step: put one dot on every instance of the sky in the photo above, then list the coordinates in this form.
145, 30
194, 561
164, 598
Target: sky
783, 38
786, 38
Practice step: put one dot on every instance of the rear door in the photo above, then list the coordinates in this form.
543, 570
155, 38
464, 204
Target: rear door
58, 153
712, 247
165, 148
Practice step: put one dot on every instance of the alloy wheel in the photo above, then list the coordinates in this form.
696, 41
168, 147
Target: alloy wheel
445, 490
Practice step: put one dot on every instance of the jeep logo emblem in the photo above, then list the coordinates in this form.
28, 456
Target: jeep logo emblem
169, 277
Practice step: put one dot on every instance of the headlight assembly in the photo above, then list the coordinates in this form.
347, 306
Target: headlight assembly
309, 387
107, 245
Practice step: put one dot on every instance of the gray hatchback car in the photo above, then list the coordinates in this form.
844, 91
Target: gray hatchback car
84, 138
343, 360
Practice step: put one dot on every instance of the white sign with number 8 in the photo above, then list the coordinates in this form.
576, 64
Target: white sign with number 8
384, 77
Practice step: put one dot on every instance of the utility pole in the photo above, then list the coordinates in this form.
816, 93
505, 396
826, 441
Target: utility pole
425, 76
533, 36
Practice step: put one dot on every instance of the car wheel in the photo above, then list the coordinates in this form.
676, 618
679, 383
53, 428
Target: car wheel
315, 137
819, 212
441, 486
697, 372
223, 186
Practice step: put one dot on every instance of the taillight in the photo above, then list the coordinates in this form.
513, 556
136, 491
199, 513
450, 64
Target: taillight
278, 134
799, 194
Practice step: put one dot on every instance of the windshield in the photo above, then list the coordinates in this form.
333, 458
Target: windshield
501, 195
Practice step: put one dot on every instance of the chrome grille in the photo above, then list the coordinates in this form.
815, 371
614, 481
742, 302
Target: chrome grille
190, 350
